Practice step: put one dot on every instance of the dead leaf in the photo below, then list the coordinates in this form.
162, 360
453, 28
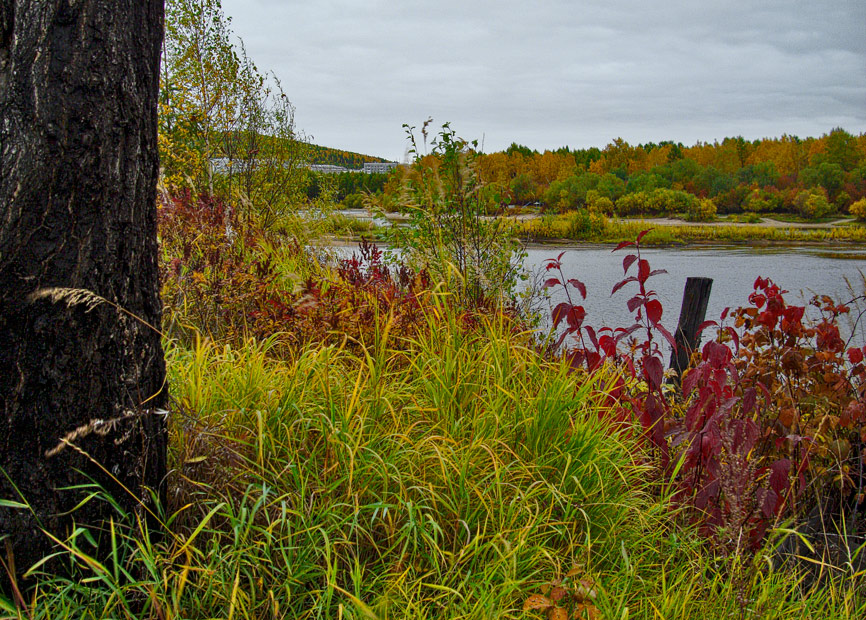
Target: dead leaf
557, 613
585, 590
537, 601
575, 570
558, 593
587, 612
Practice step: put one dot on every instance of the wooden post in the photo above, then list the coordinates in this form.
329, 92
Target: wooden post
696, 296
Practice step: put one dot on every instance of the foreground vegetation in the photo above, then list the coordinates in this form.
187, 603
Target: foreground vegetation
353, 440
371, 485
365, 438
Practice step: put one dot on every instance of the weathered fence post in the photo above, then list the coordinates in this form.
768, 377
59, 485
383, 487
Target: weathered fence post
696, 296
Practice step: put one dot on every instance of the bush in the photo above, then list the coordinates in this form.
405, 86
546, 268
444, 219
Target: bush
858, 210
762, 201
449, 237
354, 201
813, 203
703, 210
773, 421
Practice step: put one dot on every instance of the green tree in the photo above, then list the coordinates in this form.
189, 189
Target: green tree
571, 193
842, 149
645, 183
523, 188
224, 126
473, 256
828, 175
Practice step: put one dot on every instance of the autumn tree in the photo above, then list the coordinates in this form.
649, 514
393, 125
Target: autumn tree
82, 376
224, 126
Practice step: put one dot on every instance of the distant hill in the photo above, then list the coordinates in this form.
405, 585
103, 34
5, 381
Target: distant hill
337, 157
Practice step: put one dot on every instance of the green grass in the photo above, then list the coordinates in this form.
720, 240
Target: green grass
799, 219
563, 227
450, 478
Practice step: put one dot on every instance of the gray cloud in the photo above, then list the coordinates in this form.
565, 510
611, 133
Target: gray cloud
559, 72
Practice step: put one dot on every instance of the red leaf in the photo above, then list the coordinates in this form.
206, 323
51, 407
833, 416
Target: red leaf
552, 282
643, 269
628, 261
734, 336
653, 371
855, 356
750, 399
654, 311
716, 354
575, 317
642, 234
622, 283
656, 272
668, 336
559, 313
580, 286
608, 345
634, 303
559, 258
622, 245
780, 471
706, 324
592, 337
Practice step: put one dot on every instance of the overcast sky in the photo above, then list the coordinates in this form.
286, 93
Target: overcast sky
548, 73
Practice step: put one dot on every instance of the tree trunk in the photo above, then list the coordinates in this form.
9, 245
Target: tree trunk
80, 357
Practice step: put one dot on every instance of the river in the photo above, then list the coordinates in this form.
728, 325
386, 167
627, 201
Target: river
804, 270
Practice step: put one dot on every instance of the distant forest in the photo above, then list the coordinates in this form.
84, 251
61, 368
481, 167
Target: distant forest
813, 177
337, 157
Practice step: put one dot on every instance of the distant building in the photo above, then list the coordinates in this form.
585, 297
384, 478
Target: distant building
327, 168
223, 165
379, 167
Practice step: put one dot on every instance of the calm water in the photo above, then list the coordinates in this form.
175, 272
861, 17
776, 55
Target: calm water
802, 270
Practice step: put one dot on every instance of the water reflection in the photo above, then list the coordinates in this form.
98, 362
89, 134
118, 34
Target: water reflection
802, 270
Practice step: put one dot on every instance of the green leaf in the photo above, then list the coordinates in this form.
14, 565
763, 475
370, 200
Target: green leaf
8, 503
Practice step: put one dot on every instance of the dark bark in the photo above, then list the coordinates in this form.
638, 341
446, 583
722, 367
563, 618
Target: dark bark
78, 171
696, 297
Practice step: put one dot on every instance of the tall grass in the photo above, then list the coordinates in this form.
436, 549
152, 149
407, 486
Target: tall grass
578, 226
447, 479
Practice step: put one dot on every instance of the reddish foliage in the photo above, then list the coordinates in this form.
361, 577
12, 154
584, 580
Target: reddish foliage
766, 412
216, 278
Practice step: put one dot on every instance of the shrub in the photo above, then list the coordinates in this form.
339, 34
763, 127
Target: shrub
449, 236
774, 407
230, 281
858, 210
762, 201
813, 203
703, 210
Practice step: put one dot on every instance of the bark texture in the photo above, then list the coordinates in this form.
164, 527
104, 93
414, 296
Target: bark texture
78, 270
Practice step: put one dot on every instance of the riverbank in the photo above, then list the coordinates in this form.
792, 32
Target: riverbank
582, 226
